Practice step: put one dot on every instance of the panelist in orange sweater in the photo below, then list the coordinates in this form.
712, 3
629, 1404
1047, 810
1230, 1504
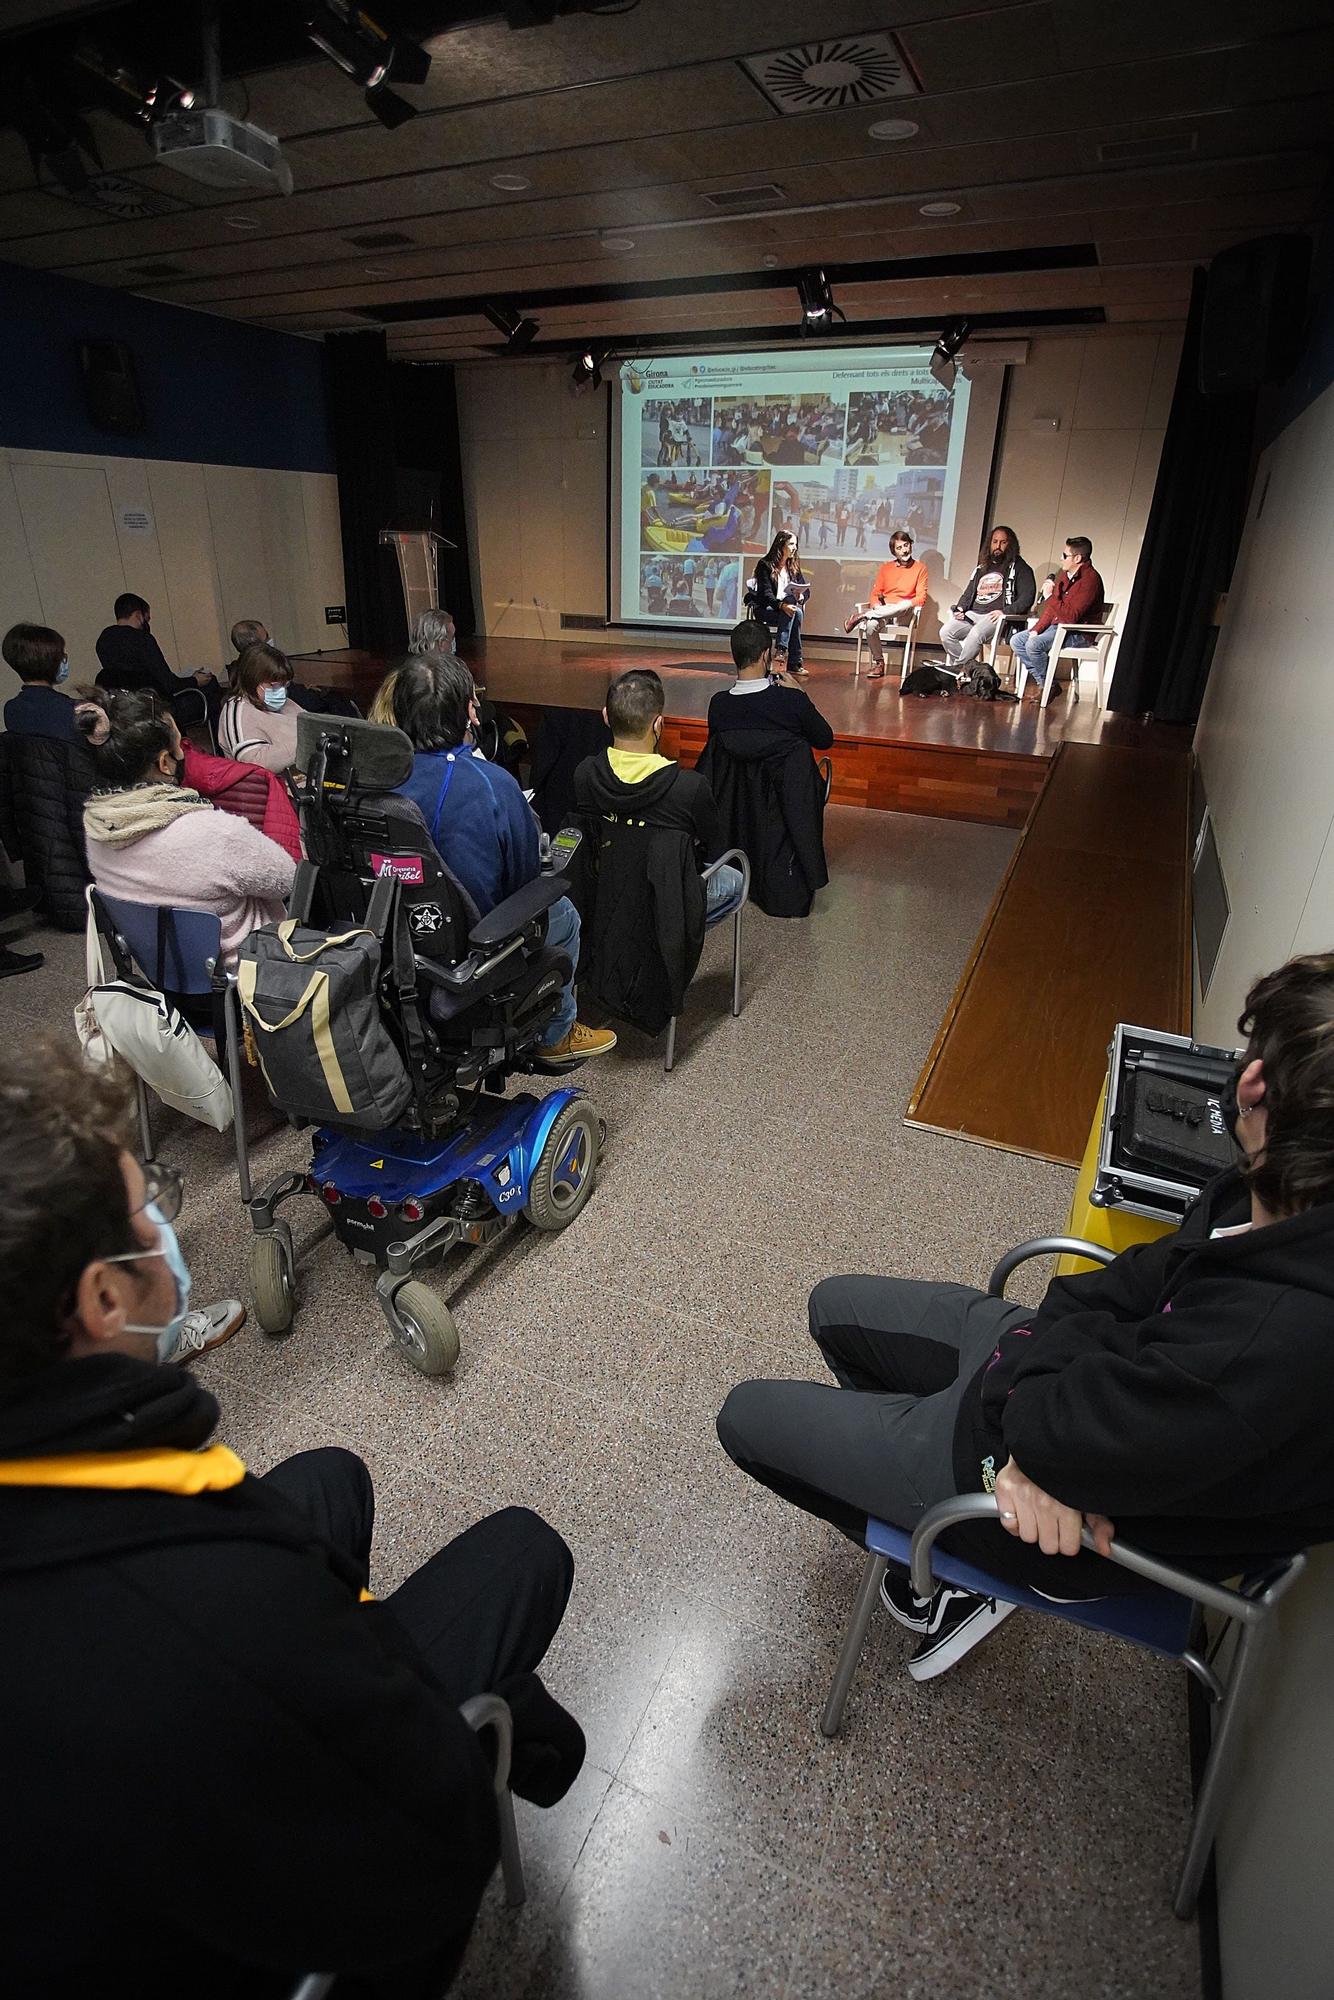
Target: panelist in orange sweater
899, 584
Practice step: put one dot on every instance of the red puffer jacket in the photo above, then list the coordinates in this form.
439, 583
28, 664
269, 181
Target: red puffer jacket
248, 791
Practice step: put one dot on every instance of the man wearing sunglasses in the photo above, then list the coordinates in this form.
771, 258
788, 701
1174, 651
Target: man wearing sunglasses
236, 1766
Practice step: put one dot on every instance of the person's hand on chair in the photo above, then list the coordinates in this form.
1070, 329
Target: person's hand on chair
1034, 1516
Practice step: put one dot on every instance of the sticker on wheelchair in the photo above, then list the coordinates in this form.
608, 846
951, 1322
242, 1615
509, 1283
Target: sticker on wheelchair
400, 867
423, 918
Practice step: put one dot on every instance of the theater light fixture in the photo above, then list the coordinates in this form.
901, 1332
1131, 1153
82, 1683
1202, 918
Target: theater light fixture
518, 332
818, 311
952, 337
588, 368
371, 54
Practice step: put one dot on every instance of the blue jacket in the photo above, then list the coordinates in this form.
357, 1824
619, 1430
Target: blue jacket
38, 710
480, 821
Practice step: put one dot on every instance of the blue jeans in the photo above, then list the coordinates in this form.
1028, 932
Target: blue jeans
789, 631
1032, 649
563, 935
722, 887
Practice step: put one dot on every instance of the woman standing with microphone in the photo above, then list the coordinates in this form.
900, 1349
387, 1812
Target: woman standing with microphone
780, 595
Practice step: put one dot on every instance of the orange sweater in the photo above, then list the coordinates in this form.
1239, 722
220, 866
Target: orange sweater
897, 583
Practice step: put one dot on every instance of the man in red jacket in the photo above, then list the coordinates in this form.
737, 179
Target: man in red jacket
1076, 599
1179, 1396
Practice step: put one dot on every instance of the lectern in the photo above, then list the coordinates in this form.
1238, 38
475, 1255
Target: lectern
418, 567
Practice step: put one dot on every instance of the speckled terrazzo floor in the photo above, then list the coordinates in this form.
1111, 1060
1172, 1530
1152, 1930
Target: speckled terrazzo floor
1009, 1829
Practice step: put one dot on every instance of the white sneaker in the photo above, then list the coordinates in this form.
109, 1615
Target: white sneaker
208, 1327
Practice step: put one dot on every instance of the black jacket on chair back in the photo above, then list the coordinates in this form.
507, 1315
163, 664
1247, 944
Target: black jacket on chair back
638, 889
43, 784
769, 791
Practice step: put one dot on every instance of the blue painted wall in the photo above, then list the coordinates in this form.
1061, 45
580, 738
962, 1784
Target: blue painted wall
214, 391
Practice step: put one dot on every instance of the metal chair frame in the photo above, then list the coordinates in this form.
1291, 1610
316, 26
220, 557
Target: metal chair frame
736, 859
1249, 1608
902, 625
482, 1711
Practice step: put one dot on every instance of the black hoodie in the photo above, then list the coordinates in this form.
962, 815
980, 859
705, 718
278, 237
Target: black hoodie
1017, 592
223, 1768
1185, 1391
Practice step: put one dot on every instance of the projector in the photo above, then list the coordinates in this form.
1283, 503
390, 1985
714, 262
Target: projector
224, 152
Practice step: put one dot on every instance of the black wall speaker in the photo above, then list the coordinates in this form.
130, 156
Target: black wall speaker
109, 385
1255, 309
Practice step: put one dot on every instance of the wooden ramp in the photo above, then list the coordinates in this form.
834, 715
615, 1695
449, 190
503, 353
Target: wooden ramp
1090, 926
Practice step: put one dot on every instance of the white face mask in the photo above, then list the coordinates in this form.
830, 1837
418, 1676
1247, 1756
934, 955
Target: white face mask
168, 1246
275, 697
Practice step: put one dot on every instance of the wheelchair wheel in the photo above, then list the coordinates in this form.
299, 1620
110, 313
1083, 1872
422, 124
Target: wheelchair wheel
424, 1328
271, 1283
566, 1169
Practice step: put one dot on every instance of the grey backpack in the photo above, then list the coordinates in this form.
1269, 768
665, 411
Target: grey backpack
310, 1000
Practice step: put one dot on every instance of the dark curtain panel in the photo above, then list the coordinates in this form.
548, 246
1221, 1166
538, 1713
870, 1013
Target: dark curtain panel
1190, 544
430, 474
357, 389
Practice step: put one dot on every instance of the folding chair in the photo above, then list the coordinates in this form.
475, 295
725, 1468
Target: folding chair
903, 625
1071, 643
1167, 1619
483, 1711
733, 908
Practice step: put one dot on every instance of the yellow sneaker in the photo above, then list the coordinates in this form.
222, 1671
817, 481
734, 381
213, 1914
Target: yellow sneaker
577, 1046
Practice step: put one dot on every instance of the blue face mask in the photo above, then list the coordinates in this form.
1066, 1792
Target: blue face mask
275, 697
62, 672
167, 1337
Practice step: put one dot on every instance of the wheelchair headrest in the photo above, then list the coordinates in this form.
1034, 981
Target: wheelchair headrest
367, 754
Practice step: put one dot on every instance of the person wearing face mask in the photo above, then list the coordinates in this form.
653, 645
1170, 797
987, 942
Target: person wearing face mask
267, 1762
900, 584
38, 656
131, 658
152, 839
259, 723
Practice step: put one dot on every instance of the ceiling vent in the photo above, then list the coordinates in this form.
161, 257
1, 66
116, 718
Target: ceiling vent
733, 201
379, 239
1144, 152
833, 75
119, 196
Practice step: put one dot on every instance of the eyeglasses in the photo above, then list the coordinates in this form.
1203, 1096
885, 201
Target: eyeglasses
163, 1185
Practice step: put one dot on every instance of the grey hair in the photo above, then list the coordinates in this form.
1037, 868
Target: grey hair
248, 632
434, 631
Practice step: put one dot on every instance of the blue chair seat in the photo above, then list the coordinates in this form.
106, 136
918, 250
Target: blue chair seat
1153, 1617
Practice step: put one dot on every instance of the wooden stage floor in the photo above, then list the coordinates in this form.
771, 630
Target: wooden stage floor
954, 758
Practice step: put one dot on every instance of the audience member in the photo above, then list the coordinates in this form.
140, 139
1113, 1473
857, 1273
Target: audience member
269, 1764
634, 777
1076, 599
258, 725
246, 632
777, 604
132, 659
481, 823
1001, 586
498, 735
900, 584
1180, 1395
150, 839
759, 766
38, 657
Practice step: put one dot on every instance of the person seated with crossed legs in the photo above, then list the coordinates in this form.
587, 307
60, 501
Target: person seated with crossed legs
1181, 1394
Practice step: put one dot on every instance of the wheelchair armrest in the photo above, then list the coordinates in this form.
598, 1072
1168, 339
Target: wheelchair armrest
516, 912
1214, 1596
1046, 1246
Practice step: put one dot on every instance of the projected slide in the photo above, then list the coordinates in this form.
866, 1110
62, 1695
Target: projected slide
716, 453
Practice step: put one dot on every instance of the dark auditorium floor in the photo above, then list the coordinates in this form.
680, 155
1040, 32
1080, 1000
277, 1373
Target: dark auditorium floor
1009, 1829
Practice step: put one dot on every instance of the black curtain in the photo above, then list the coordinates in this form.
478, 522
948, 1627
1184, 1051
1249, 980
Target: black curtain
396, 448
1190, 543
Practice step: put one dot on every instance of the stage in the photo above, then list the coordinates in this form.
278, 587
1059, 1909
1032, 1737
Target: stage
951, 757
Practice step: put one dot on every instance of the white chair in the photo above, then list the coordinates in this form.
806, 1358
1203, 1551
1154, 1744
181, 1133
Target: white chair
1094, 655
899, 625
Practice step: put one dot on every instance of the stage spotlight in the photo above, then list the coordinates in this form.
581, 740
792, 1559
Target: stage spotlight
370, 53
518, 332
818, 311
138, 98
588, 368
943, 366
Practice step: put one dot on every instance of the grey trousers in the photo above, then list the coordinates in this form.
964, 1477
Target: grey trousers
963, 638
882, 1443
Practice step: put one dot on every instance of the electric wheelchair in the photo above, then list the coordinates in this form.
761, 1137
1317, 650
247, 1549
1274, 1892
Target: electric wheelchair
464, 1000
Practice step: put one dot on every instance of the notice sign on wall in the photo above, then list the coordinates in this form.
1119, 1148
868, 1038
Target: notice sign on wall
136, 521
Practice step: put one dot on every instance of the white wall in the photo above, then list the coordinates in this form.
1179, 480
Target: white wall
1267, 722
535, 473
226, 542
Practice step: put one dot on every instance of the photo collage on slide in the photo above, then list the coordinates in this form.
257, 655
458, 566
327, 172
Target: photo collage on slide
721, 475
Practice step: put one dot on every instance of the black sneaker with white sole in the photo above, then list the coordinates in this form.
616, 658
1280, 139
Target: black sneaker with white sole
918, 1614
965, 1621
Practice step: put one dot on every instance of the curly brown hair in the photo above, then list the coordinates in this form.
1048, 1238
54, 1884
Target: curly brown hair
62, 1192
1288, 1022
